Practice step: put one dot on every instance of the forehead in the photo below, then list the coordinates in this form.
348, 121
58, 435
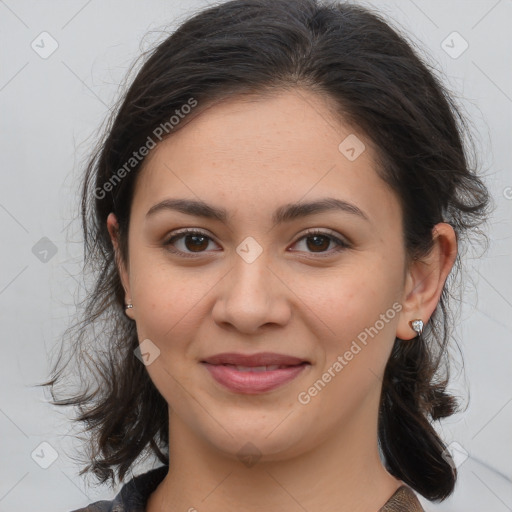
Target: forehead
255, 152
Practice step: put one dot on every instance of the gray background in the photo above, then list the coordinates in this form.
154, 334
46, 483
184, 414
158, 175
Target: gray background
52, 107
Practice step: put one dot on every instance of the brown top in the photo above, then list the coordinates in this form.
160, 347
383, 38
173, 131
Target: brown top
134, 496
403, 500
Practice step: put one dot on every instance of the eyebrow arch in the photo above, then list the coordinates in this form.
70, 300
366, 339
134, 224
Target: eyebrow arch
285, 213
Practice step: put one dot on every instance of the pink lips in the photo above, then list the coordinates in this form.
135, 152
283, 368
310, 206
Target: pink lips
253, 374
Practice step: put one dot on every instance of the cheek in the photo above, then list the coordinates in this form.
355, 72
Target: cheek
166, 305
348, 302
361, 314
167, 298
355, 322
169, 306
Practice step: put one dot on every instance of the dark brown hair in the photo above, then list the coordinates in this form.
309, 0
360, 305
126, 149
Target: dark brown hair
380, 85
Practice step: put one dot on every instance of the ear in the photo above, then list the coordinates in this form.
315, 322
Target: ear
425, 280
113, 229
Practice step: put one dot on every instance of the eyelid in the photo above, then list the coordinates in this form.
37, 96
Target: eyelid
341, 242
186, 231
326, 232
181, 233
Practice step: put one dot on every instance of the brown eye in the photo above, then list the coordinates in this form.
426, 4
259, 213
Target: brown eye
196, 243
319, 242
189, 241
193, 241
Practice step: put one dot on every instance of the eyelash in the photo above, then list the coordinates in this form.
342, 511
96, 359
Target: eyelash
340, 244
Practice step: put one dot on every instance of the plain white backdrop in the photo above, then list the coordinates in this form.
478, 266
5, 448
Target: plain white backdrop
61, 63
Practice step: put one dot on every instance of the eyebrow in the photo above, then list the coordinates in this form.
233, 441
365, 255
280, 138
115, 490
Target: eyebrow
285, 213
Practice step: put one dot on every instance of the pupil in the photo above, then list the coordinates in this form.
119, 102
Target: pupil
318, 244
194, 246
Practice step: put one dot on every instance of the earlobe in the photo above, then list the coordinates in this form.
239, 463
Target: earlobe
127, 311
410, 306
425, 280
113, 229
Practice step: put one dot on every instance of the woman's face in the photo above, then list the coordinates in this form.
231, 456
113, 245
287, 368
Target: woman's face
255, 281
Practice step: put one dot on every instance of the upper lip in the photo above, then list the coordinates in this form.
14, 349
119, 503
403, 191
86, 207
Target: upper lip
260, 359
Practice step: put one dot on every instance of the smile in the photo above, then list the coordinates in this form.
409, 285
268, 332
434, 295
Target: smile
254, 379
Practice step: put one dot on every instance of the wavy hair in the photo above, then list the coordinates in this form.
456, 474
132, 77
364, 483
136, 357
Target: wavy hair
379, 84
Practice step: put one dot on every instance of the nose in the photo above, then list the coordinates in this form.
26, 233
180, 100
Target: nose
252, 296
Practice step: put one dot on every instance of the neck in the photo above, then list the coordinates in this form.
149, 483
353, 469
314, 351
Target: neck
342, 474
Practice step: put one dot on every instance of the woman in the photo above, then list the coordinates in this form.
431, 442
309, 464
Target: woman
273, 216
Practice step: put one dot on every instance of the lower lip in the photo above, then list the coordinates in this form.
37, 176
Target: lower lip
253, 382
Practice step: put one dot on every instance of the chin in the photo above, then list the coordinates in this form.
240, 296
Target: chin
262, 440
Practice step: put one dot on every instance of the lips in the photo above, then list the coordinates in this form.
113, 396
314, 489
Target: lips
256, 373
267, 368
254, 360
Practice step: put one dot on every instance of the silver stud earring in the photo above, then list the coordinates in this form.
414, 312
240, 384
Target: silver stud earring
128, 306
417, 326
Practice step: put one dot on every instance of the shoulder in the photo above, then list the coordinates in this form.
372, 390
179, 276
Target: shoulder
133, 496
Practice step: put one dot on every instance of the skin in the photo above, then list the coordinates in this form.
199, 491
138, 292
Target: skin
252, 155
